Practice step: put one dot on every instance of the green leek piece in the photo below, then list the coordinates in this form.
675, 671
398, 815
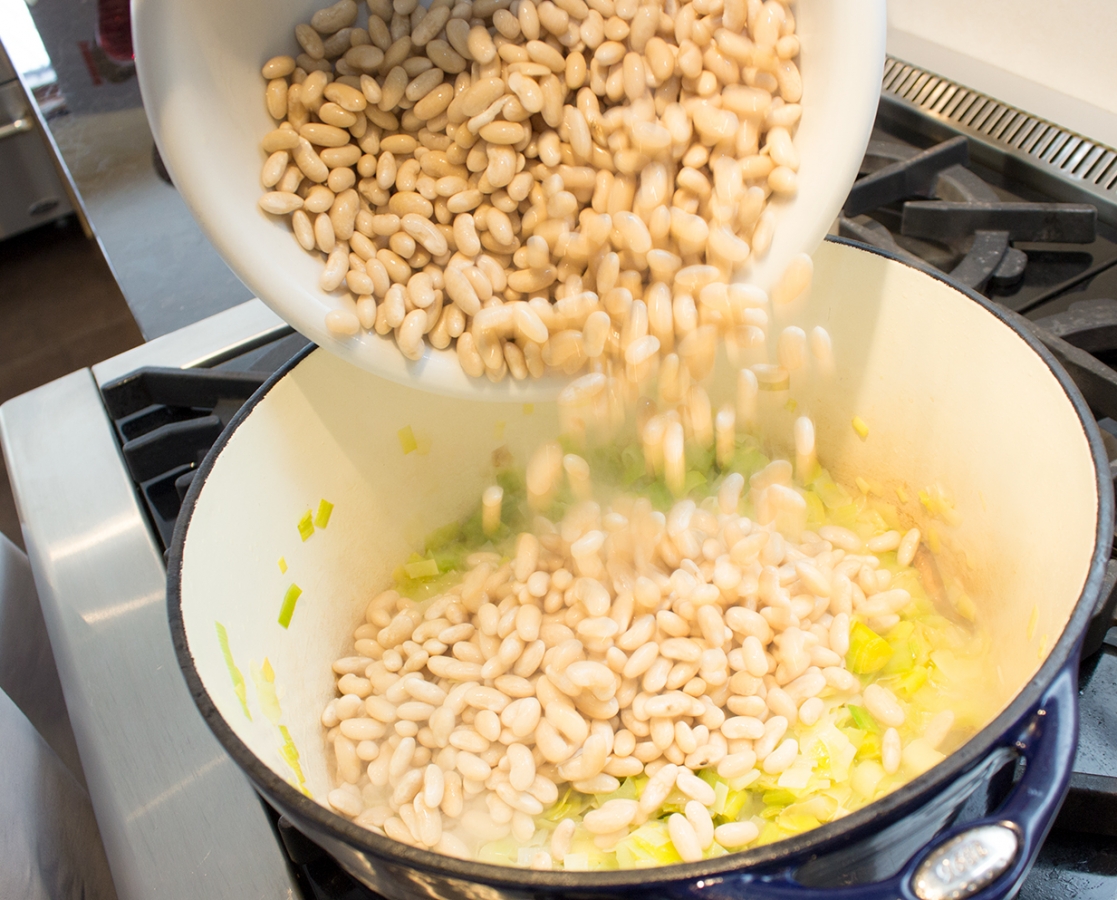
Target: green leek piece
289, 601
770, 833
290, 755
504, 852
904, 654
734, 803
694, 479
748, 459
868, 651
659, 495
322, 517
634, 466
629, 789
423, 568
239, 687
306, 525
863, 719
870, 746
816, 510
778, 797
796, 822
832, 494
571, 805
266, 695
721, 794
443, 537
407, 441
648, 845
912, 681
282, 566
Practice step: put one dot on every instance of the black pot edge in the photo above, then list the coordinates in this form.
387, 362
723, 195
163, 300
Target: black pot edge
773, 857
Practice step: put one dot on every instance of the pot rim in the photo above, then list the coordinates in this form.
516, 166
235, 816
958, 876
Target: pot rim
778, 855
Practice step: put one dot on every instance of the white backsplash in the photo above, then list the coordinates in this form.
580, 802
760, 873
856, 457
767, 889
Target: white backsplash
1054, 58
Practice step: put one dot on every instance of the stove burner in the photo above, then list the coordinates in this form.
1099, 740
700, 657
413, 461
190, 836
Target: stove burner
958, 207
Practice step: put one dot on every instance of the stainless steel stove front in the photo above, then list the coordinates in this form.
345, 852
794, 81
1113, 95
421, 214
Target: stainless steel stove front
178, 818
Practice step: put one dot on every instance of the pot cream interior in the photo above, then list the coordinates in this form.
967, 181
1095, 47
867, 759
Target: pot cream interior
955, 403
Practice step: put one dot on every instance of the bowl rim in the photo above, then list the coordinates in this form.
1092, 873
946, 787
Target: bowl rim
998, 734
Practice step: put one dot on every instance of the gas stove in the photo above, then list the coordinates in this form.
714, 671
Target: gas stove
1018, 208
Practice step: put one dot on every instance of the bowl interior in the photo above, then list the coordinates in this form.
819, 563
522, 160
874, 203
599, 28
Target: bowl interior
991, 427
199, 69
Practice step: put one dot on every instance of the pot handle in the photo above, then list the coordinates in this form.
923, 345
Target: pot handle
982, 860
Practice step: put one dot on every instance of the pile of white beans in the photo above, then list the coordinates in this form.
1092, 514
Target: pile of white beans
561, 185
616, 641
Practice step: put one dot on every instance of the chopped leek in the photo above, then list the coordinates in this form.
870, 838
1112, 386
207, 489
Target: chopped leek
694, 480
911, 682
290, 754
570, 806
264, 678
322, 517
288, 607
407, 441
870, 746
629, 789
796, 822
771, 833
904, 654
868, 651
504, 852
239, 687
306, 525
862, 718
423, 568
778, 797
648, 845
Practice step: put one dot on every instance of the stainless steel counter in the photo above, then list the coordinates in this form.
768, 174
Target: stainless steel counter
168, 271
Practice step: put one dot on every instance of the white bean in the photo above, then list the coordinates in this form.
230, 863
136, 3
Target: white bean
683, 837
890, 751
613, 815
883, 706
733, 835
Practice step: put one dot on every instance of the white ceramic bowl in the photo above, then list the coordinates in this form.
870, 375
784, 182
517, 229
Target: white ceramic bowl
199, 70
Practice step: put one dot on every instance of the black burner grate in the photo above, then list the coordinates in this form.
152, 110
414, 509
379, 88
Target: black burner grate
961, 224
167, 419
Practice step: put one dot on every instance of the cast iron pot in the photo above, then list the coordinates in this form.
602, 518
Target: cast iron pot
954, 396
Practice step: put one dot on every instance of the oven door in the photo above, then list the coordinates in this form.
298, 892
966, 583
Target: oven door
30, 192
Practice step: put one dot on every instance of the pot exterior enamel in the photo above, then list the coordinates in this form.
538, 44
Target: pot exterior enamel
956, 401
